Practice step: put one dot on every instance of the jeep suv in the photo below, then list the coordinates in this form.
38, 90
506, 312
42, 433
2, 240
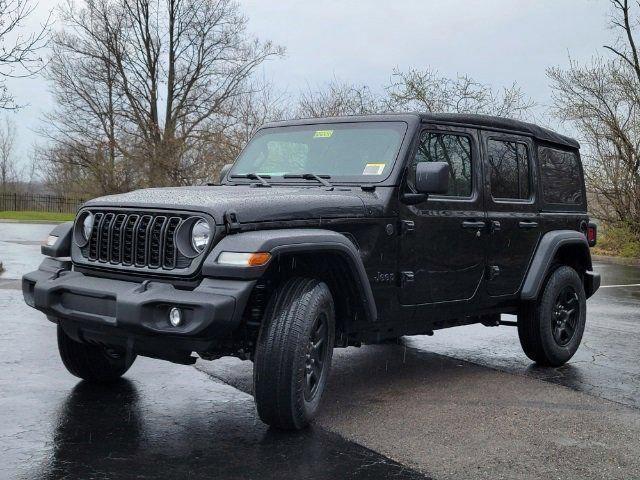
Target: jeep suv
328, 233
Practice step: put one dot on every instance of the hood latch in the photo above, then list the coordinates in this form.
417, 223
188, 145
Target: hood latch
231, 222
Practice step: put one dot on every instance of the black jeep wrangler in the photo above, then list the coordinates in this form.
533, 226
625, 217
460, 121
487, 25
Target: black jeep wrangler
328, 233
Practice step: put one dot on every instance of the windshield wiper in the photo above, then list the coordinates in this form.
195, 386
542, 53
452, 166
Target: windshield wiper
310, 176
254, 176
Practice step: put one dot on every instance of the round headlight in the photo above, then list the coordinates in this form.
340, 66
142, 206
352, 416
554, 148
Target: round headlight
200, 234
87, 226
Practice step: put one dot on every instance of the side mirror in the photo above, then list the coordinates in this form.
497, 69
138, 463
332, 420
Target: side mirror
223, 172
432, 177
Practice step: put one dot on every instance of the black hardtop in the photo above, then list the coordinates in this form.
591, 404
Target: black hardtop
487, 122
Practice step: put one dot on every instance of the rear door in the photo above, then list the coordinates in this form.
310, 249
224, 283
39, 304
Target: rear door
512, 210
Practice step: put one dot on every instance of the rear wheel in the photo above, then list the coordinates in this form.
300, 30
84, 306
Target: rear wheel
293, 354
551, 329
93, 363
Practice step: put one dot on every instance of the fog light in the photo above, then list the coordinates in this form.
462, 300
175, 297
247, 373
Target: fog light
175, 317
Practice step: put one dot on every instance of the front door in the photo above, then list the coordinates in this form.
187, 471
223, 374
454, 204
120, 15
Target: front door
442, 251
512, 211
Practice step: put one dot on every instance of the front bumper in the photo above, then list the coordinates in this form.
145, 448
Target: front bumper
89, 306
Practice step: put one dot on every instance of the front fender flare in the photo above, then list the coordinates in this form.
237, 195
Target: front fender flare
62, 246
284, 241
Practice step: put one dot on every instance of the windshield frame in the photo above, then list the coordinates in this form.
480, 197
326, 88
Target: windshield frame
335, 179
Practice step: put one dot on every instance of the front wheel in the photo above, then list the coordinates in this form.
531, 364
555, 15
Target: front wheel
293, 354
551, 329
93, 363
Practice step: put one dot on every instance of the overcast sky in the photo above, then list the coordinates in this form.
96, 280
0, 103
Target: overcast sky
494, 41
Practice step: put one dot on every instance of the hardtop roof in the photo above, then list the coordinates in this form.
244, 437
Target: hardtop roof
488, 122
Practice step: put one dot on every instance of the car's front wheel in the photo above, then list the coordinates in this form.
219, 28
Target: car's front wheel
293, 354
93, 363
551, 329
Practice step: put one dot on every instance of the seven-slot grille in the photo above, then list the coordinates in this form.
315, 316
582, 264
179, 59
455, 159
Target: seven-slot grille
142, 240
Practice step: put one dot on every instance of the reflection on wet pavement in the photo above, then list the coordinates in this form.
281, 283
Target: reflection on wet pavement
606, 365
161, 421
169, 421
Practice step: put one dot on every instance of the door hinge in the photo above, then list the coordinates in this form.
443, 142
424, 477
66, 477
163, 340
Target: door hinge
406, 277
231, 223
407, 227
493, 271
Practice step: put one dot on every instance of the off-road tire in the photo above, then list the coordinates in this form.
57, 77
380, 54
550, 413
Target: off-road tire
536, 321
281, 367
92, 363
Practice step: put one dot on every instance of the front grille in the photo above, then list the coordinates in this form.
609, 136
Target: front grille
136, 240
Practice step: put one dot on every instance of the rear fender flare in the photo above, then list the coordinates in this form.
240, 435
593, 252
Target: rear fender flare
542, 261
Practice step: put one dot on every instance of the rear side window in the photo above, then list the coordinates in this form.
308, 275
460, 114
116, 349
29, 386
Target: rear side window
561, 179
509, 170
453, 149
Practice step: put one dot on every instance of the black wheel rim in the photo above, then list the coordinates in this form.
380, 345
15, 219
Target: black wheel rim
565, 316
315, 356
112, 353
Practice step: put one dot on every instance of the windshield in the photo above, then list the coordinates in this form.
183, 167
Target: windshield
363, 151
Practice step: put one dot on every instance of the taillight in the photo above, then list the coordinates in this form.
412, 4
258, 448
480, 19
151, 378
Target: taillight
592, 234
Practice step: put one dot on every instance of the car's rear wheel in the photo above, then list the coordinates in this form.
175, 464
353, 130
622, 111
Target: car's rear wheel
293, 354
93, 363
551, 328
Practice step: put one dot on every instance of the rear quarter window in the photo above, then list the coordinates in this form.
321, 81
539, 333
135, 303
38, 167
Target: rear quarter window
561, 177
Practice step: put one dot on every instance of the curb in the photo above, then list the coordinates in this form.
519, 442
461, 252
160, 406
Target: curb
44, 222
633, 262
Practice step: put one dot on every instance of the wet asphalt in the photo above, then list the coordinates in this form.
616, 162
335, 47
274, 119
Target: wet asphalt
465, 403
162, 421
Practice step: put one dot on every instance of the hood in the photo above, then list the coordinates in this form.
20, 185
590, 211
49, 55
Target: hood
250, 204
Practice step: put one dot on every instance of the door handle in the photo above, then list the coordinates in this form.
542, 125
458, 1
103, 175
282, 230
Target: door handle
524, 224
474, 225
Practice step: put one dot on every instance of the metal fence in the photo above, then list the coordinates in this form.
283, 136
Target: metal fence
39, 203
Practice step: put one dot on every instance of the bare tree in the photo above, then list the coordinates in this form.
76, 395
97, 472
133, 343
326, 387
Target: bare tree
151, 85
338, 98
8, 169
19, 51
262, 104
426, 90
414, 90
602, 101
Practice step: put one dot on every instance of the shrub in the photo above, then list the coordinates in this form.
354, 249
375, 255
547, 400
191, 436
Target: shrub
618, 240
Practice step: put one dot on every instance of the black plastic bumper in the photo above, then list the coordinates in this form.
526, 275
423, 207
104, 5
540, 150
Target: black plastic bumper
127, 309
591, 283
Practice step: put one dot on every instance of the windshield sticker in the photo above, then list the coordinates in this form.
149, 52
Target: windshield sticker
373, 168
323, 134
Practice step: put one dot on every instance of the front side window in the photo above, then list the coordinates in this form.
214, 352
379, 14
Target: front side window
561, 179
362, 151
509, 170
451, 148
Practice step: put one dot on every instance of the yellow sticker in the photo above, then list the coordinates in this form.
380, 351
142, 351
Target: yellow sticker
323, 134
373, 168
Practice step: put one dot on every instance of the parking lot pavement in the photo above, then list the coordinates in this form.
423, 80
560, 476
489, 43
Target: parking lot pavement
162, 421
607, 364
20, 249
465, 403
458, 420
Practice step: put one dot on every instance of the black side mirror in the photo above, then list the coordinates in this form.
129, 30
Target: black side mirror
432, 177
223, 171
